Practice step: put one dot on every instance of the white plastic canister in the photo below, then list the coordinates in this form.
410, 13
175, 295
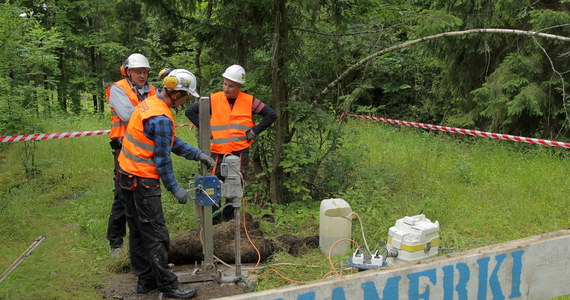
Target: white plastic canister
335, 223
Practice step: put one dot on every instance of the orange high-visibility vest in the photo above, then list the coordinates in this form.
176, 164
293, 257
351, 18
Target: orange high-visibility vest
137, 155
118, 126
228, 126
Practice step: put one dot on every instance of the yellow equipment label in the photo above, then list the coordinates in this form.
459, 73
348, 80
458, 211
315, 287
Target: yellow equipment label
414, 248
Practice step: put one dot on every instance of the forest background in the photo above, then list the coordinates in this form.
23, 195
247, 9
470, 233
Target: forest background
56, 53
58, 57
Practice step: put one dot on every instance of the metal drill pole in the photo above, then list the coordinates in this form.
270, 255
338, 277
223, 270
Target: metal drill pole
208, 266
237, 208
232, 189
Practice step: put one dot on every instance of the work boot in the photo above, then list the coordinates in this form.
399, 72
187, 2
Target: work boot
145, 286
178, 292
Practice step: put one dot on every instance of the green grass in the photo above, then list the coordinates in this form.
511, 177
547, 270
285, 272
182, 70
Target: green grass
68, 201
63, 202
482, 191
478, 189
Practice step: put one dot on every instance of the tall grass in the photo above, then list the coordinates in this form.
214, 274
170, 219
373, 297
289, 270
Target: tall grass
66, 198
60, 201
480, 190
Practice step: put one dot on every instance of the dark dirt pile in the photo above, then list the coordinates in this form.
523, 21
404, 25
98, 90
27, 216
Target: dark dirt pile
186, 248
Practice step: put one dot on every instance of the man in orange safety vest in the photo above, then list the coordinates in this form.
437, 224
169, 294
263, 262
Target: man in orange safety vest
122, 97
232, 126
144, 163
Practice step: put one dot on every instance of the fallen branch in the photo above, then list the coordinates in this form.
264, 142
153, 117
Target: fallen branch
440, 35
17, 262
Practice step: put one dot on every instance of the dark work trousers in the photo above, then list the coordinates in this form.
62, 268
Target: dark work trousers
117, 226
148, 234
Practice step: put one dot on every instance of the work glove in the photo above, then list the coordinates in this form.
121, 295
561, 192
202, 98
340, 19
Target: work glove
207, 160
250, 134
182, 196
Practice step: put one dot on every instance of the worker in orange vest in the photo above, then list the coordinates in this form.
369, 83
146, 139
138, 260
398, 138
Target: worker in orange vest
122, 97
144, 162
232, 126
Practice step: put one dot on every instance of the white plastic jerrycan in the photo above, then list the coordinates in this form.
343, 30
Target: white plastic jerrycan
335, 223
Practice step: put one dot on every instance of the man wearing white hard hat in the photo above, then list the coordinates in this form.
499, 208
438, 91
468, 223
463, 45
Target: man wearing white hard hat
144, 163
122, 97
231, 122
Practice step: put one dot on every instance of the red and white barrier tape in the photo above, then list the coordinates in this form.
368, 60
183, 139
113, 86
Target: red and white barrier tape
500, 136
60, 135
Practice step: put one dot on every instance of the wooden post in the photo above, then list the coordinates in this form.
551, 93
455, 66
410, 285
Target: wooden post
20, 259
208, 266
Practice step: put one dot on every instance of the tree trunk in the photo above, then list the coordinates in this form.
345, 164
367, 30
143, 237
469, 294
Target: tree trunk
279, 91
198, 54
62, 82
95, 83
100, 86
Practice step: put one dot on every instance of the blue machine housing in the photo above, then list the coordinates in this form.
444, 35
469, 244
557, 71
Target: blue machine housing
208, 189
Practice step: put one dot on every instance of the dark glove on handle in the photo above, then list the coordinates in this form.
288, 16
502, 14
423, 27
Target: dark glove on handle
181, 195
208, 161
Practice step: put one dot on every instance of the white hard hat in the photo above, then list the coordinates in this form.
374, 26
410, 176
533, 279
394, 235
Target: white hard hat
181, 80
136, 60
235, 73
